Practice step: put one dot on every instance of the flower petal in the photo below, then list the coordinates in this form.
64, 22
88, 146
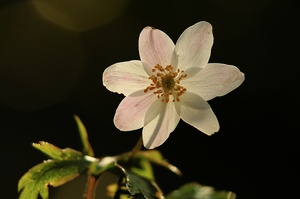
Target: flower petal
214, 80
126, 77
155, 47
161, 119
194, 46
195, 111
130, 114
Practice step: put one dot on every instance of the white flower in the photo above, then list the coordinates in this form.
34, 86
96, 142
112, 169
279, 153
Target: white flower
169, 83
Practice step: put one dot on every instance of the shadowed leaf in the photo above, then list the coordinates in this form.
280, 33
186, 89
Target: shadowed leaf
137, 185
196, 191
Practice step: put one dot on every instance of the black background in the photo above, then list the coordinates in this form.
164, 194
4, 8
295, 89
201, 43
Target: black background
49, 73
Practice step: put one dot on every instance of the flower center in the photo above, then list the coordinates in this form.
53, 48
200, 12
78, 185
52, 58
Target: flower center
166, 83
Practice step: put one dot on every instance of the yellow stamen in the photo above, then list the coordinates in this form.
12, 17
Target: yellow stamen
166, 83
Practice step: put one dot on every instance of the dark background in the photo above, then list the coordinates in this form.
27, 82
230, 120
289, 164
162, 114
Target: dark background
50, 72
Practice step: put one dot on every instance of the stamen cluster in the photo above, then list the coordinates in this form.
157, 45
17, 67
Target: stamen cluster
166, 83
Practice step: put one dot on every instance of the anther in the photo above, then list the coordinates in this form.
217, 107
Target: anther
167, 83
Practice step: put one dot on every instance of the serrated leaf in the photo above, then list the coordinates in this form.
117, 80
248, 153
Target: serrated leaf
196, 191
56, 153
138, 185
51, 172
65, 165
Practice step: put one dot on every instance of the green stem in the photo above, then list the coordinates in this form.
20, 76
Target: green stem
137, 147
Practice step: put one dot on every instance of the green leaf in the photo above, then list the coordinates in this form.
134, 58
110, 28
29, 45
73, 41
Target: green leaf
87, 148
51, 172
142, 167
144, 158
137, 185
156, 157
56, 153
66, 165
194, 190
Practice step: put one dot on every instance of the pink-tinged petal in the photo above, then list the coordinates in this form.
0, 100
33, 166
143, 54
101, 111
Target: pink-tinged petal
155, 47
130, 114
126, 77
193, 47
214, 80
156, 108
161, 119
195, 111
